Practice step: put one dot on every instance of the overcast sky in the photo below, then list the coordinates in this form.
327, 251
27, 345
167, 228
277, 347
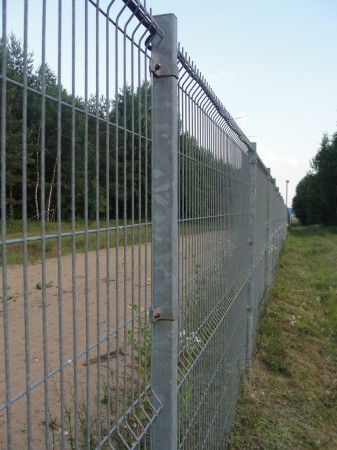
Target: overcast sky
274, 61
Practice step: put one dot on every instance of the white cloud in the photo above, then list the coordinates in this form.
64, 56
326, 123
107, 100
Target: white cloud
220, 74
228, 73
242, 119
272, 158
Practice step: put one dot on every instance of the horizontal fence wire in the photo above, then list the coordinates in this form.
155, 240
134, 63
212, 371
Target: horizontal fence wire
76, 234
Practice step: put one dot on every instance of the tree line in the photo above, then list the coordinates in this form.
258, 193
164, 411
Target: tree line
83, 130
97, 163
315, 201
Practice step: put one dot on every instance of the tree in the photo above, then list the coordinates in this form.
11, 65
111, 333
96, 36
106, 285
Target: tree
33, 141
130, 137
14, 117
306, 200
324, 165
316, 194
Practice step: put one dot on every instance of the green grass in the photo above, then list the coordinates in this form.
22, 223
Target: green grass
15, 250
290, 401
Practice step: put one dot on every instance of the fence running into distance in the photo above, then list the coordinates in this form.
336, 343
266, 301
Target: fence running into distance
139, 235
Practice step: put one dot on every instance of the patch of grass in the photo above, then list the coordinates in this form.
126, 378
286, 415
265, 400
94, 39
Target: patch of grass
127, 235
38, 286
290, 402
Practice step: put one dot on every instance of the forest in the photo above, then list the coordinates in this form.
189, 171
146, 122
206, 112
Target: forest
92, 157
74, 139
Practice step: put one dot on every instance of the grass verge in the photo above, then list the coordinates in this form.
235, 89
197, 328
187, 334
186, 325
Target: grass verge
290, 402
123, 236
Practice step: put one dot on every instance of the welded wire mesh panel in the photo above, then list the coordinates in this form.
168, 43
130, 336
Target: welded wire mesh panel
213, 262
280, 225
260, 230
277, 226
272, 237
270, 231
282, 213
260, 244
75, 225
275, 229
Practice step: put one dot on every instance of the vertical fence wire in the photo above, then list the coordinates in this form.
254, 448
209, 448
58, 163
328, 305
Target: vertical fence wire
7, 394
42, 176
59, 222
24, 226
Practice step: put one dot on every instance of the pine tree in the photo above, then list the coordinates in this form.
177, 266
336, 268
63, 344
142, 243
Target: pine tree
14, 114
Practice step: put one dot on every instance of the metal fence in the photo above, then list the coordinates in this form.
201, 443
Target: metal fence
139, 234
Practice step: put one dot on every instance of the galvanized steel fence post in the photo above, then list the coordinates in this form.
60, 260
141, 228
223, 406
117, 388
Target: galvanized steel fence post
251, 256
165, 232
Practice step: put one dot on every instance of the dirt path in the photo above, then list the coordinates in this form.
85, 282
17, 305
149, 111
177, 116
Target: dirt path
84, 293
84, 320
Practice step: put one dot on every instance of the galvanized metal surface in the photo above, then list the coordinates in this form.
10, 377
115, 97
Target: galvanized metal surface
133, 270
165, 232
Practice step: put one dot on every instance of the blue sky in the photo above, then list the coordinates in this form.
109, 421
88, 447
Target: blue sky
274, 61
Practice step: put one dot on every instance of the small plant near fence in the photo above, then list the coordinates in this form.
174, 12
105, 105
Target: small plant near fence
134, 406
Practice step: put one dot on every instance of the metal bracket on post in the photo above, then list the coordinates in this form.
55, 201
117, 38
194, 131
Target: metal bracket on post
162, 313
168, 70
